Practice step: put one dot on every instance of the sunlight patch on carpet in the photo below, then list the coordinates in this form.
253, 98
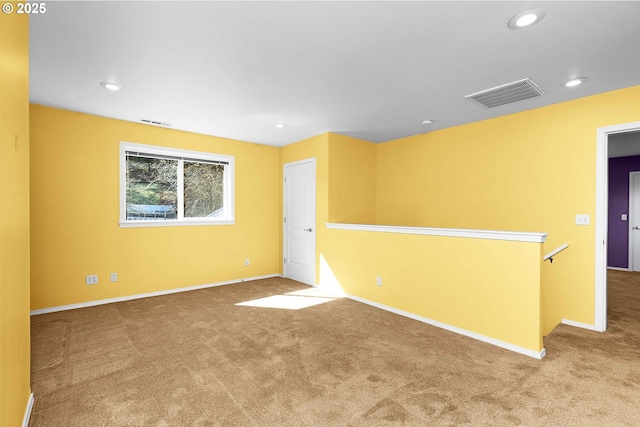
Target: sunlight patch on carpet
292, 300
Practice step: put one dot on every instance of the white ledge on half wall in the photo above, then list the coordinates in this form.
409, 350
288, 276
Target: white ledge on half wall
517, 236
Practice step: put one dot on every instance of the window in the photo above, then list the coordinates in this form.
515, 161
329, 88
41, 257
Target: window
164, 186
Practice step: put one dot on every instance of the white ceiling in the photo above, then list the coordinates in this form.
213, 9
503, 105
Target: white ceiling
369, 69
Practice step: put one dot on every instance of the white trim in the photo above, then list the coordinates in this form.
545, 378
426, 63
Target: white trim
479, 337
449, 232
602, 203
618, 268
27, 412
580, 325
630, 233
229, 186
173, 223
299, 162
145, 295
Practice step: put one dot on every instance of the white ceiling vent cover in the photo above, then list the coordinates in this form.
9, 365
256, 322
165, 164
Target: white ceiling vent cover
506, 94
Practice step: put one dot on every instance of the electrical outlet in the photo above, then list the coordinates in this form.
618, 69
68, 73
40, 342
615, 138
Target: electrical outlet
114, 277
92, 279
246, 262
378, 281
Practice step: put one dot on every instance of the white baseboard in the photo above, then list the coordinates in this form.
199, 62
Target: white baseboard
27, 412
618, 268
580, 325
479, 337
146, 295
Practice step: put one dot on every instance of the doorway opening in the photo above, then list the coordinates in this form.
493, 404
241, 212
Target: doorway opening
604, 135
623, 232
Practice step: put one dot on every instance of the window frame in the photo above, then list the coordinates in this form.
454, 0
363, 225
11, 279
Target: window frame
229, 187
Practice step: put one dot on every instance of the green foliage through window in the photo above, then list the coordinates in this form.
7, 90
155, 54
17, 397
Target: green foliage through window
203, 189
162, 187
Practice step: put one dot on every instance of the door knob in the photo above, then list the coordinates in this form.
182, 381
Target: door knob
311, 229
637, 227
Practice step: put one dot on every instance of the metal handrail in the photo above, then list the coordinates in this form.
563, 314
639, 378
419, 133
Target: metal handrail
554, 252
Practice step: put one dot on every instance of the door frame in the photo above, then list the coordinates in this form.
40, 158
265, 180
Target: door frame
602, 206
630, 232
284, 212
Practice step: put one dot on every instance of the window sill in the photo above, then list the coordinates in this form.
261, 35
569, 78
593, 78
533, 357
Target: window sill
175, 223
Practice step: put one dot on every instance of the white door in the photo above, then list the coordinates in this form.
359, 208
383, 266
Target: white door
634, 221
300, 221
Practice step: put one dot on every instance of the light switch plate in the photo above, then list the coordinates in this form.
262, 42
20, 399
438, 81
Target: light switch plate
583, 219
623, 217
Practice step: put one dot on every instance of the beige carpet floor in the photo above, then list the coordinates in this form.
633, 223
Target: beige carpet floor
197, 359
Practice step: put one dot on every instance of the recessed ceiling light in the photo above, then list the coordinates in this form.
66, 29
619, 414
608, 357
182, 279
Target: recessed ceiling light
427, 122
111, 86
575, 82
526, 19
281, 125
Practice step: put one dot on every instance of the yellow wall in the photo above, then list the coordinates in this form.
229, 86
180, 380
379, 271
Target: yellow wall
75, 213
318, 148
14, 193
345, 182
352, 180
530, 171
488, 287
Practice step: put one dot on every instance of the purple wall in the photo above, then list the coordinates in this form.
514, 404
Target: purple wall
618, 249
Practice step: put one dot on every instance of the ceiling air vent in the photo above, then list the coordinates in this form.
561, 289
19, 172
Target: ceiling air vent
154, 122
506, 94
